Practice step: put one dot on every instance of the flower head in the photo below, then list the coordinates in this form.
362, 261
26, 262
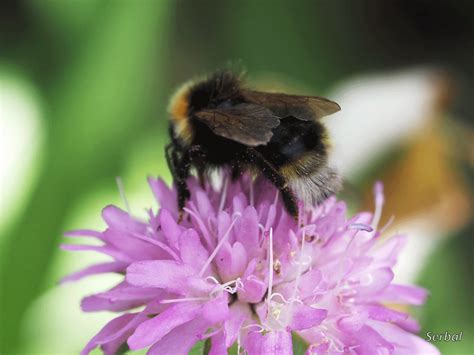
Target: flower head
239, 270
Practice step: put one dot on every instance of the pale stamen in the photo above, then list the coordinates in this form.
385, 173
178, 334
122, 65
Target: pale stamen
275, 312
379, 201
291, 300
300, 215
201, 225
219, 287
300, 265
224, 194
219, 245
261, 328
307, 260
276, 197
388, 224
121, 189
238, 285
251, 194
213, 279
361, 227
159, 245
188, 299
210, 334
270, 270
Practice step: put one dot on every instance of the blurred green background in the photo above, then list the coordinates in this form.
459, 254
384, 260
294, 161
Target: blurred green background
84, 86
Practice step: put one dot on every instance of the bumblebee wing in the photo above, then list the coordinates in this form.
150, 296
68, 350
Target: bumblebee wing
248, 124
305, 108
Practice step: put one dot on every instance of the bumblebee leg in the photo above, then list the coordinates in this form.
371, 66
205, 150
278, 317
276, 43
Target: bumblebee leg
181, 166
236, 171
170, 159
172, 151
182, 175
188, 157
272, 174
196, 155
179, 162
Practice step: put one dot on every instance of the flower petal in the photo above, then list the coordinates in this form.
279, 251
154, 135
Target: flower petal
405, 342
170, 229
374, 282
410, 325
385, 314
305, 317
164, 195
239, 202
231, 261
218, 346
352, 323
114, 266
239, 312
387, 253
134, 245
274, 342
120, 298
367, 341
191, 249
253, 291
117, 329
404, 294
310, 283
203, 204
165, 274
96, 303
216, 310
104, 249
181, 339
119, 219
247, 231
151, 331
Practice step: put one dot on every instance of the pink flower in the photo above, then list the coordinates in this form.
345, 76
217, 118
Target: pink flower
240, 270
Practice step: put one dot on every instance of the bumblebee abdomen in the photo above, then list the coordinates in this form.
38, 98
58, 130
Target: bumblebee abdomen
310, 177
298, 149
293, 139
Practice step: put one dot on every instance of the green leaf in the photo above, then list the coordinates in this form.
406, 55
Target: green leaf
448, 277
233, 350
198, 349
123, 349
299, 345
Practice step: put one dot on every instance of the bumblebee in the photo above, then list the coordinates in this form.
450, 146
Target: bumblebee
218, 122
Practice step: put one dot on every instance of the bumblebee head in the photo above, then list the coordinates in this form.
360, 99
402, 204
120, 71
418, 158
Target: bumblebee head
219, 89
